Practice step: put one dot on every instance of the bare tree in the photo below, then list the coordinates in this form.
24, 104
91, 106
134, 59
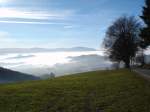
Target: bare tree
122, 39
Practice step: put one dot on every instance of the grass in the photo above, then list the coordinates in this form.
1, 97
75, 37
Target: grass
99, 91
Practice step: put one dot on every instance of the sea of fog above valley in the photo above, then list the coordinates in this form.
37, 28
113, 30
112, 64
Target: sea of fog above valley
39, 61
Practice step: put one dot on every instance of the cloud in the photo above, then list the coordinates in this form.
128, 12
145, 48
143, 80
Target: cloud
21, 57
68, 26
76, 64
39, 17
82, 63
17, 13
32, 22
5, 1
10, 64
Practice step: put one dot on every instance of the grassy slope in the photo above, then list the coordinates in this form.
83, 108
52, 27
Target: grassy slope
7, 75
101, 91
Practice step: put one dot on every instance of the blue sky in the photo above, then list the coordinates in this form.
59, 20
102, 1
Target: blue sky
60, 23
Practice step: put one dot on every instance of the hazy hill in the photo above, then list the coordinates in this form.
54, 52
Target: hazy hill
7, 75
35, 50
99, 91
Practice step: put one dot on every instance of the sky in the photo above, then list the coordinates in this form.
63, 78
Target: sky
60, 23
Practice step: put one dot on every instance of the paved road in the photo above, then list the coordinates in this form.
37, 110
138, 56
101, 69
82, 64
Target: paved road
143, 72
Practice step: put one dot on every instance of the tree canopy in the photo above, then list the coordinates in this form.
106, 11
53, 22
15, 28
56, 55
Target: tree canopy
122, 39
145, 32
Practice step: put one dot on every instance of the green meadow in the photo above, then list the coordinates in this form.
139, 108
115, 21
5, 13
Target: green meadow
98, 91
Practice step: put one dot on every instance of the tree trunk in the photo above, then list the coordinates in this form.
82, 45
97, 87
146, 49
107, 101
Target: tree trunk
143, 58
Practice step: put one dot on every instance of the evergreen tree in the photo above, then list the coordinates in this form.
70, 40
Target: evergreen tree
145, 32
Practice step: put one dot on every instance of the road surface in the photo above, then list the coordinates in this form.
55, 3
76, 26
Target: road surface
143, 72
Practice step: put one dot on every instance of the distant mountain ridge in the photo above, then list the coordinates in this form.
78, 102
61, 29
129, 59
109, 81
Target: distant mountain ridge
34, 50
7, 76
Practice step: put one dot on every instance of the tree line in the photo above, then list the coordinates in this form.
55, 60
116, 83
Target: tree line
127, 35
